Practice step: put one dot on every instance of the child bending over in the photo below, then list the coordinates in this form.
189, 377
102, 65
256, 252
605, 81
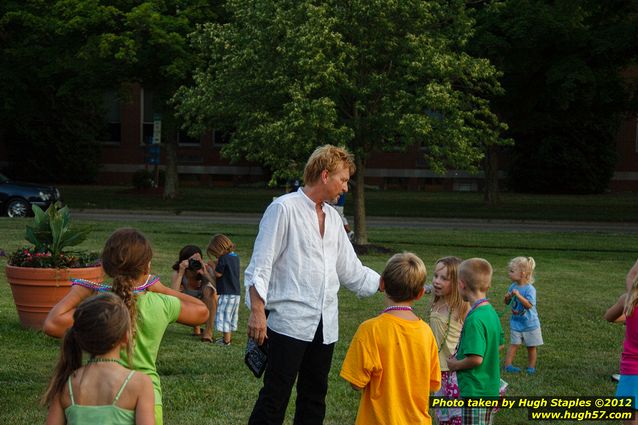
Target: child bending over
195, 278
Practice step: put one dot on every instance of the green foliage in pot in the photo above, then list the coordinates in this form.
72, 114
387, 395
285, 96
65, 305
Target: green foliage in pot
51, 235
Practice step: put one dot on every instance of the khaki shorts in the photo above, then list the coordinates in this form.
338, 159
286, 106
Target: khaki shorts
530, 338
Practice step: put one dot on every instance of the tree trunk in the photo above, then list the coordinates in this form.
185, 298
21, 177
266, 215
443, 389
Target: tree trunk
491, 194
360, 231
171, 182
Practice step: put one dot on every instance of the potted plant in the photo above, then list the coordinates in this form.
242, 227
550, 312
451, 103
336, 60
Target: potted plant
40, 275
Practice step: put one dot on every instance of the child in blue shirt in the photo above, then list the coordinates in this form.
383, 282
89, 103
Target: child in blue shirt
525, 327
226, 266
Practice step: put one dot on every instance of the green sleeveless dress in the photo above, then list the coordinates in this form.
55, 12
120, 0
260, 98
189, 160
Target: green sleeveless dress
108, 414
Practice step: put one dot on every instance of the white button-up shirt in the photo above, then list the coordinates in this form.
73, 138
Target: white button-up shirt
297, 272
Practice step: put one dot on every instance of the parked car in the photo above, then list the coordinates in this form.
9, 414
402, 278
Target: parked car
16, 198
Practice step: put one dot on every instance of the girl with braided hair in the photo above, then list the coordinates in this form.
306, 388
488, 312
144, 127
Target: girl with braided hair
101, 390
126, 258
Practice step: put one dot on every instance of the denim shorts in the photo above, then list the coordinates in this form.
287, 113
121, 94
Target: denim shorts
529, 338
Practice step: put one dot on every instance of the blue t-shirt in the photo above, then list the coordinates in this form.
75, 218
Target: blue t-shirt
228, 266
524, 320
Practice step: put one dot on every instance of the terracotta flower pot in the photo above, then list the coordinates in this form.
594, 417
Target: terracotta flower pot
37, 290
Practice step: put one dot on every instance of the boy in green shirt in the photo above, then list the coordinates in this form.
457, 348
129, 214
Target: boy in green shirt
477, 358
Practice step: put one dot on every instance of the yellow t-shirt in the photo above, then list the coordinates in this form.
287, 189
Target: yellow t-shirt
396, 363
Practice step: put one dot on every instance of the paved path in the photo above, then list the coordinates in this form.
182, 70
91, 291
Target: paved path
373, 222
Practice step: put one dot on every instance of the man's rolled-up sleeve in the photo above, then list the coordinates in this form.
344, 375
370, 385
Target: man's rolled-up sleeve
268, 246
358, 278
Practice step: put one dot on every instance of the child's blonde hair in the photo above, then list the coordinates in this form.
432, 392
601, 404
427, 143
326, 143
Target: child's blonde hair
632, 298
476, 273
220, 245
404, 276
526, 265
455, 301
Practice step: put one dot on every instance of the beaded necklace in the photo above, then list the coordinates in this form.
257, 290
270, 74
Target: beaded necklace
102, 360
447, 326
397, 307
103, 287
476, 304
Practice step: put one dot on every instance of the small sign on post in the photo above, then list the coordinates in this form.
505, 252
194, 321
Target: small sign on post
153, 154
157, 129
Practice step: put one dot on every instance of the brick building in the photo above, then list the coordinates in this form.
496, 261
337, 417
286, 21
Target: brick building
131, 128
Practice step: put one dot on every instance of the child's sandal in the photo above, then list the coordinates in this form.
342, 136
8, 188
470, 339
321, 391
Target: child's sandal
512, 369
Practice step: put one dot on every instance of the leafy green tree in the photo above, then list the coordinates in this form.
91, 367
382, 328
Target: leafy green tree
58, 59
50, 103
372, 75
150, 45
562, 64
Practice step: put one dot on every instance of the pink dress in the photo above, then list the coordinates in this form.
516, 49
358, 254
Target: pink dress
629, 358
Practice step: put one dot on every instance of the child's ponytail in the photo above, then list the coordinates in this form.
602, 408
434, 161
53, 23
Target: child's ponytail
531, 264
70, 360
126, 258
123, 286
100, 322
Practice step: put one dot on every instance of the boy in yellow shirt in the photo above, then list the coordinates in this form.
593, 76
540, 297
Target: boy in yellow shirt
393, 358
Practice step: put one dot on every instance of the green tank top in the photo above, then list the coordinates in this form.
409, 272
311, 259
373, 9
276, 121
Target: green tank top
108, 414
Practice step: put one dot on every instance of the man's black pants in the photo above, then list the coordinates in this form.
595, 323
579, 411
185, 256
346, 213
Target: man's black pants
290, 358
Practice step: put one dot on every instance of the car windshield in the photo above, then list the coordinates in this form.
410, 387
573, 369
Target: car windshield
3, 178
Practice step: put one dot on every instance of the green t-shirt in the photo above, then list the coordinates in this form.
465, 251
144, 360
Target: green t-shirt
482, 335
154, 313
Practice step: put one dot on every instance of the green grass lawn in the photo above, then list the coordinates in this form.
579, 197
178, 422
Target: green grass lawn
604, 207
578, 277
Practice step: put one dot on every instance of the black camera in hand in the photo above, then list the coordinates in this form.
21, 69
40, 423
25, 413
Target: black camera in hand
194, 265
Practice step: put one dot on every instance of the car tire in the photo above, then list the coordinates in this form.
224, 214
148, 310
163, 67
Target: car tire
17, 207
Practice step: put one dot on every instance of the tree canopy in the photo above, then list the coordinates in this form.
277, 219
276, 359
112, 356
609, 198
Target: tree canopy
50, 102
371, 75
58, 59
565, 96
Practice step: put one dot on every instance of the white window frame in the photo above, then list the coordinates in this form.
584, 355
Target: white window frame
142, 113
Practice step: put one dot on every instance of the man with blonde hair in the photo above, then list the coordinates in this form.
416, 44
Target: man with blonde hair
301, 256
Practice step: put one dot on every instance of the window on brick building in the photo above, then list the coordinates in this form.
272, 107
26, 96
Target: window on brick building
183, 139
112, 132
147, 114
221, 138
